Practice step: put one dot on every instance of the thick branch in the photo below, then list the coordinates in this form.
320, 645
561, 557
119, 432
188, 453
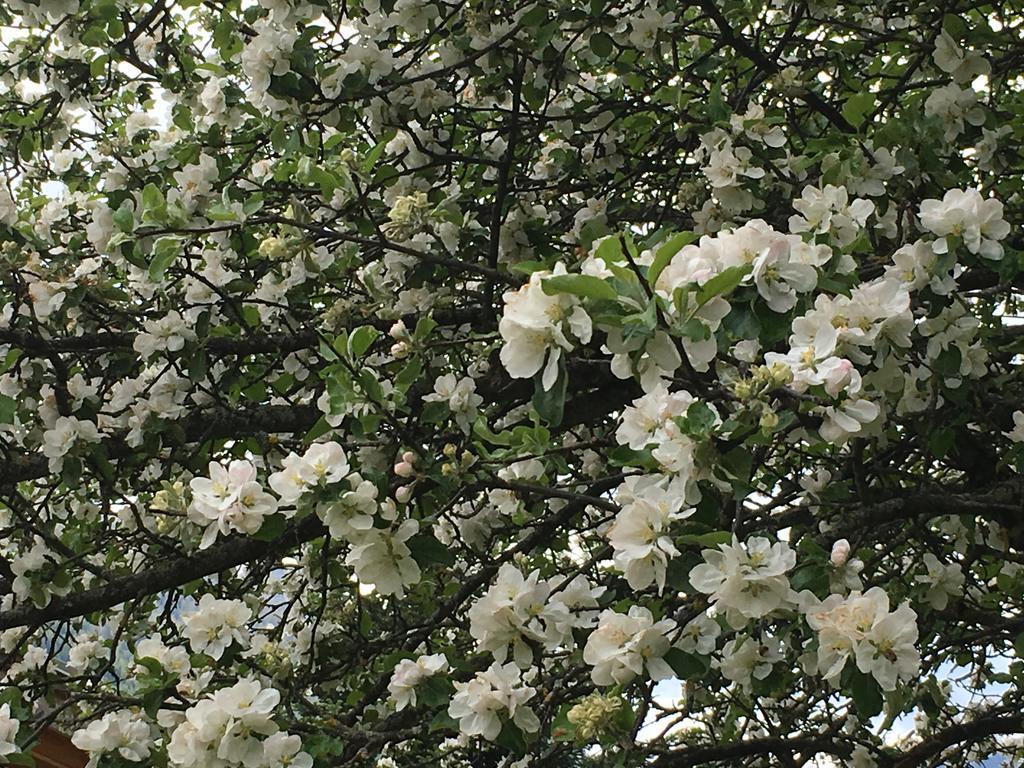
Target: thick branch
982, 727
99, 342
164, 575
694, 756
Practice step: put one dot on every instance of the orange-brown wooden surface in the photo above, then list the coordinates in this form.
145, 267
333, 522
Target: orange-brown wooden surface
55, 750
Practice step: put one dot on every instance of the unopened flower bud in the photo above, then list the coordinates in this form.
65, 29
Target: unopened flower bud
403, 469
409, 457
398, 331
403, 494
400, 350
840, 553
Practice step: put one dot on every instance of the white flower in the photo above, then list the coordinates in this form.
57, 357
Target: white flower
229, 500
8, 208
165, 334
887, 651
515, 610
944, 581
779, 277
829, 210
408, 674
746, 581
322, 464
283, 750
83, 654
640, 534
642, 421
840, 553
645, 27
700, 635
222, 729
1017, 433
123, 731
382, 558
745, 659
844, 421
861, 626
62, 437
8, 731
951, 58
953, 105
861, 758
498, 689
174, 658
46, 297
727, 163
23, 565
624, 645
461, 397
965, 213
845, 573
216, 624
195, 181
350, 516
534, 327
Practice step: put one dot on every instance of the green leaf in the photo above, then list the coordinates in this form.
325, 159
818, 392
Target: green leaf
717, 108
165, 251
426, 550
867, 696
26, 146
724, 282
374, 155
408, 375
21, 758
948, 361
442, 721
481, 430
707, 540
640, 324
272, 528
687, 666
435, 691
152, 198
361, 340
124, 217
858, 106
8, 407
813, 577
512, 739
666, 252
152, 665
699, 419
561, 728
609, 250
601, 44
587, 286
550, 404
152, 701
317, 430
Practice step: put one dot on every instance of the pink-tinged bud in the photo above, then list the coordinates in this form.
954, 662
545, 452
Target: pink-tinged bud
840, 553
403, 494
398, 331
403, 469
409, 457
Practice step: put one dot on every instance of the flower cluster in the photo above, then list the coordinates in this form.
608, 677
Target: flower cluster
479, 703
519, 610
861, 626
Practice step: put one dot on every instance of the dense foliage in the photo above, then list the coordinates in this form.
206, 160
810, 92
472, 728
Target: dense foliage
512, 383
